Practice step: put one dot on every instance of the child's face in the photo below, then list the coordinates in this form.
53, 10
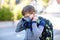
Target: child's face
30, 15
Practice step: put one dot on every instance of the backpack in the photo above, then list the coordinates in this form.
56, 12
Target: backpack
47, 33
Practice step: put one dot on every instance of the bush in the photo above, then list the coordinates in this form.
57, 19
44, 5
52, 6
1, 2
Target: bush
46, 1
19, 16
6, 14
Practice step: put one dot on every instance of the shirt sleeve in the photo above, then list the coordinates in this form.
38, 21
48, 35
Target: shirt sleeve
20, 26
37, 30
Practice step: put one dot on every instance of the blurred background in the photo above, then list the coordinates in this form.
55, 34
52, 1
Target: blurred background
10, 14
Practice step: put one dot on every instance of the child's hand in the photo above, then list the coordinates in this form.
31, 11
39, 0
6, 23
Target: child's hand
35, 18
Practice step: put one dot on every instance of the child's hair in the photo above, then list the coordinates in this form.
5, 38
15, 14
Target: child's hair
29, 9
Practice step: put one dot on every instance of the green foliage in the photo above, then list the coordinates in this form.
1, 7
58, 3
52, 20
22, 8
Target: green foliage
46, 1
6, 14
19, 16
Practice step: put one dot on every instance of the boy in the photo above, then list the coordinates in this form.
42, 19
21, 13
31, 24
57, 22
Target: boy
33, 32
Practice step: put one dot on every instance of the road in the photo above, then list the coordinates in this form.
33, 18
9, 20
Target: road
8, 33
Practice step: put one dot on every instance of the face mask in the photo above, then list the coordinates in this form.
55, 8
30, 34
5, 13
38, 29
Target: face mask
27, 19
